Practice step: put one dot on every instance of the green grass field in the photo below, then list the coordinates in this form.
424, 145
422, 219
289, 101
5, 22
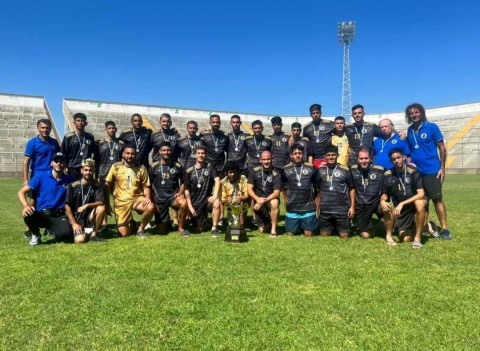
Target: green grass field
200, 293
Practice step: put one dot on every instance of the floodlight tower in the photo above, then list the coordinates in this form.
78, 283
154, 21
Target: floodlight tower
346, 32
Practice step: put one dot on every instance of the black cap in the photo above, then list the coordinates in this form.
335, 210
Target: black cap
59, 156
276, 120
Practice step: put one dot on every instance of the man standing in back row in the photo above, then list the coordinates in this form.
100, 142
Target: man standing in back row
319, 134
429, 154
140, 138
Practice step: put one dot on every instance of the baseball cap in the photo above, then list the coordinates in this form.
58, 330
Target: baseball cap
59, 157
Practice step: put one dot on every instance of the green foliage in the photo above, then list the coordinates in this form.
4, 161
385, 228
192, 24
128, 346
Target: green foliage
199, 293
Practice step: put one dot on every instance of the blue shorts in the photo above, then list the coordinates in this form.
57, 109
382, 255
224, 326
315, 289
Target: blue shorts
295, 222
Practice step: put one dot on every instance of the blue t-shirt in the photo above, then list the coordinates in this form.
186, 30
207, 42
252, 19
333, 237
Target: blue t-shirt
41, 153
382, 147
50, 192
423, 147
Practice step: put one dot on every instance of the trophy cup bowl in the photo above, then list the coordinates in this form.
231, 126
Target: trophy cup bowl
236, 232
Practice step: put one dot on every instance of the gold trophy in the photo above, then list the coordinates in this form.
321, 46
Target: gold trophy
236, 232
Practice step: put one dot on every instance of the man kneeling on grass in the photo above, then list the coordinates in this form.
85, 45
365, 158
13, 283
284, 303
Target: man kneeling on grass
264, 186
85, 204
167, 183
404, 185
131, 192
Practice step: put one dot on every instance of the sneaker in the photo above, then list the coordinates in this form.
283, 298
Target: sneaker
27, 234
97, 239
220, 223
445, 234
35, 240
215, 233
141, 235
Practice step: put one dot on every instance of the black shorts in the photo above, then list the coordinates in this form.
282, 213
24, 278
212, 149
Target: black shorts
331, 221
406, 218
201, 219
162, 215
262, 216
364, 215
432, 186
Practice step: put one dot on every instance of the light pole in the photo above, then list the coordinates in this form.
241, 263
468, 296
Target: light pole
346, 32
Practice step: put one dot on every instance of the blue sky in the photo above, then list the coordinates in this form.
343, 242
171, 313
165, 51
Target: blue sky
272, 57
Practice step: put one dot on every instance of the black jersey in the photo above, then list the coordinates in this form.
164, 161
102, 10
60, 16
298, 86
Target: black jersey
237, 149
402, 186
359, 136
141, 140
186, 150
280, 150
159, 137
107, 153
335, 184
264, 182
165, 180
79, 194
368, 184
301, 182
255, 146
216, 145
320, 137
78, 147
200, 183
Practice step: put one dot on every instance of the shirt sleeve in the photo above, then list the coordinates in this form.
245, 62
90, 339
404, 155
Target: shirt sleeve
436, 133
29, 148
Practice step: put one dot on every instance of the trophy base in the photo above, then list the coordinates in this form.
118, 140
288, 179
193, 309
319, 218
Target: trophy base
236, 234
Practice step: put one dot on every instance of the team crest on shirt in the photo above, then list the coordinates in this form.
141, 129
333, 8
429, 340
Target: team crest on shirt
87, 142
322, 127
364, 130
264, 143
407, 180
423, 135
284, 139
65, 185
373, 176
305, 171
242, 137
206, 172
172, 171
337, 174
269, 179
394, 141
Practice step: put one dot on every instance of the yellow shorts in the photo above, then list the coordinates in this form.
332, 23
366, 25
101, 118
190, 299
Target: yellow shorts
124, 213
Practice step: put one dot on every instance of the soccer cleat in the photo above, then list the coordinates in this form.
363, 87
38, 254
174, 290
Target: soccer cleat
97, 239
215, 233
27, 234
141, 235
35, 240
445, 234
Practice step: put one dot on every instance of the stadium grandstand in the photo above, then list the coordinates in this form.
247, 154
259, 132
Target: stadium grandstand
18, 123
460, 125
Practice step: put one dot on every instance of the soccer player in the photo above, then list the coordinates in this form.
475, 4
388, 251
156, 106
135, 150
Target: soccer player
165, 133
234, 190
319, 134
264, 186
216, 145
78, 146
337, 196
389, 140
297, 138
280, 146
39, 151
405, 187
429, 154
202, 188
85, 204
368, 180
256, 144
360, 133
140, 138
302, 189
131, 192
186, 146
237, 148
49, 210
167, 178
108, 150
340, 140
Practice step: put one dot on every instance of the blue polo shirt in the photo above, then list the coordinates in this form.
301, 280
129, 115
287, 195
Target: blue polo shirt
382, 147
41, 153
50, 192
423, 146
